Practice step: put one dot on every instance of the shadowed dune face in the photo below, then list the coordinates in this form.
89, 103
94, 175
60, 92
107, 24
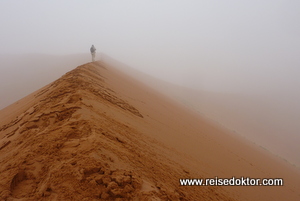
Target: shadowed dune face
98, 134
268, 119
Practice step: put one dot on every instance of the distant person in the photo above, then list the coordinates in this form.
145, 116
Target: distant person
93, 52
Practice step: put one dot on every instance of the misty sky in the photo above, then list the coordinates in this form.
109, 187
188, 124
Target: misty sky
215, 45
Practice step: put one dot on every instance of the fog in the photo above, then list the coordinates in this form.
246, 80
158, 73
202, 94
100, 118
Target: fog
248, 49
232, 45
22, 74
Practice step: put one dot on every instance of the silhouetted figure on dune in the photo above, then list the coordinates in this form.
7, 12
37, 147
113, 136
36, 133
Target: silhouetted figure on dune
93, 52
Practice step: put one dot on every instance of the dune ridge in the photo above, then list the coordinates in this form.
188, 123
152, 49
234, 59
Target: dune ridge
66, 145
96, 134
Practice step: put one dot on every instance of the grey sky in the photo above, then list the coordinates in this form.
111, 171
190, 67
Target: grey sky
249, 46
196, 43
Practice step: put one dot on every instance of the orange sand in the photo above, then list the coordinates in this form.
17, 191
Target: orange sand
97, 134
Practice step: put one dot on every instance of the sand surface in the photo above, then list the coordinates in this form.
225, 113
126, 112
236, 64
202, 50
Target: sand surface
98, 134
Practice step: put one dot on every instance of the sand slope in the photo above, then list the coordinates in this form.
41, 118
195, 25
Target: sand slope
96, 134
261, 118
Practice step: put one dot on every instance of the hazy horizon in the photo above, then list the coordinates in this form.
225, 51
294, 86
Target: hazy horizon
224, 46
248, 48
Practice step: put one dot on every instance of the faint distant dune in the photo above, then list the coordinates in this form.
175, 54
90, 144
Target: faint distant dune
24, 74
257, 117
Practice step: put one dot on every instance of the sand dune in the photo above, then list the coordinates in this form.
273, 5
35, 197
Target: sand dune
98, 134
258, 117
